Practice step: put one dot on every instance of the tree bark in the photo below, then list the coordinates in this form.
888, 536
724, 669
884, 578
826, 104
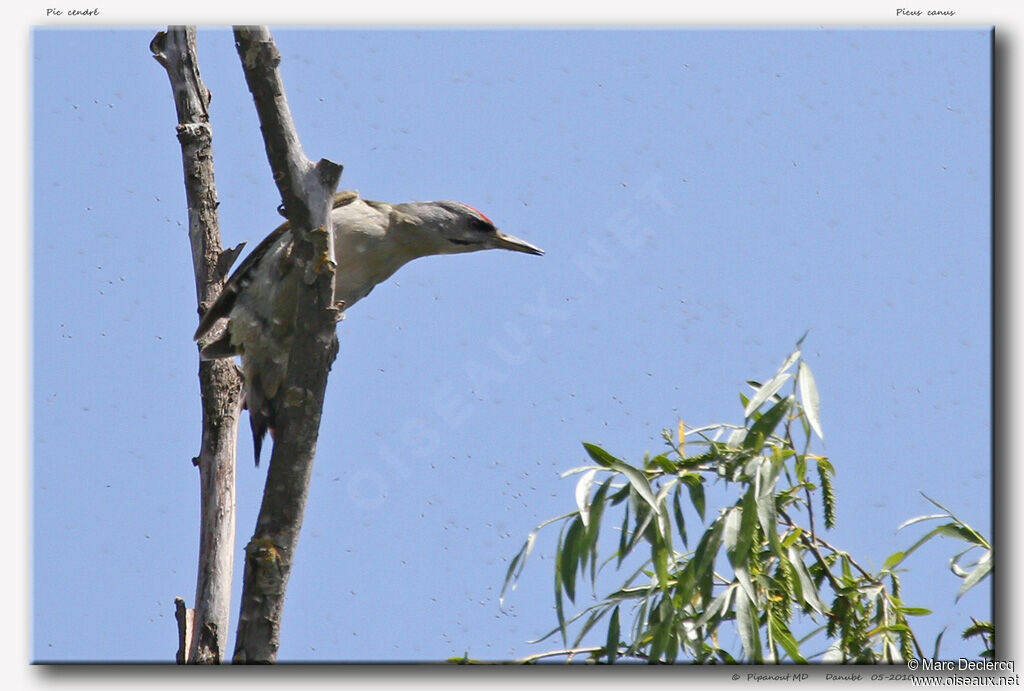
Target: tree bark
203, 632
306, 191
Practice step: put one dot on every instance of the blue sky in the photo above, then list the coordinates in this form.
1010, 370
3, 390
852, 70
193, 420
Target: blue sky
704, 197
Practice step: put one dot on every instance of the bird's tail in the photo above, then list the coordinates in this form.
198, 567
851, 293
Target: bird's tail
261, 416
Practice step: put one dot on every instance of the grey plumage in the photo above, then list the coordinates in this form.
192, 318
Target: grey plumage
372, 240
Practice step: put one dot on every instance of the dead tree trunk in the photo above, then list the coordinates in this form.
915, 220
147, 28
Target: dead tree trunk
306, 191
203, 632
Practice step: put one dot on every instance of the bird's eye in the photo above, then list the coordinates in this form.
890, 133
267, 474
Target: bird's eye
481, 226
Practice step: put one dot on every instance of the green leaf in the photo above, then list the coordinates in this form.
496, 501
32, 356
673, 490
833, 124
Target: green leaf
662, 632
672, 645
780, 633
969, 534
559, 628
644, 517
577, 470
515, 569
677, 509
800, 465
954, 563
559, 608
639, 482
731, 531
946, 529
771, 387
595, 614
719, 604
809, 397
637, 478
962, 532
623, 536
809, 592
570, 557
621, 495
794, 589
664, 525
737, 438
662, 461
725, 657
938, 642
639, 624
753, 441
914, 611
766, 391
805, 426
695, 485
704, 556
635, 592
791, 537
844, 566
743, 578
747, 624
612, 643
768, 470
659, 555
766, 511
767, 423
739, 551
918, 519
600, 456
983, 568
893, 560
766, 516
589, 544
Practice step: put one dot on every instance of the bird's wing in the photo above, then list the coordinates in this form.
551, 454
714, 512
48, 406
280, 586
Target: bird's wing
221, 307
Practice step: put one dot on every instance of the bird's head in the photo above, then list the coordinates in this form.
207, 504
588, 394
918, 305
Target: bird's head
452, 227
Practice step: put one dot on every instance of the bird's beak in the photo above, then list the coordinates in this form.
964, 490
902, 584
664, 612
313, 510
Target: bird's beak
511, 242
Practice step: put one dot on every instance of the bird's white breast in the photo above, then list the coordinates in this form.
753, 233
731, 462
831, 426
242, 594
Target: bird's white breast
364, 251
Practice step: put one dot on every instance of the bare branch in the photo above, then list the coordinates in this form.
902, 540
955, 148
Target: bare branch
306, 191
220, 385
186, 620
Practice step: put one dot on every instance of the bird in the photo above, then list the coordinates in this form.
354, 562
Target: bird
372, 240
